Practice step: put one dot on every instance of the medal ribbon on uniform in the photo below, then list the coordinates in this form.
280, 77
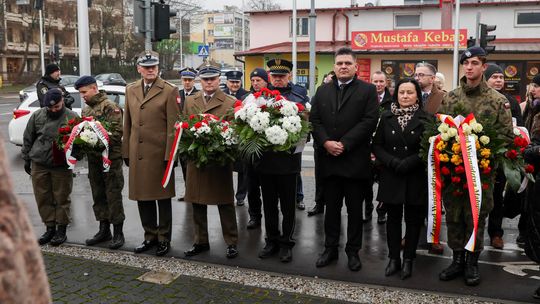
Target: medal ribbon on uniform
172, 155
102, 135
472, 173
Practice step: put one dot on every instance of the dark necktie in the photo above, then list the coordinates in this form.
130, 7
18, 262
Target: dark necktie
424, 98
380, 98
340, 94
207, 99
146, 89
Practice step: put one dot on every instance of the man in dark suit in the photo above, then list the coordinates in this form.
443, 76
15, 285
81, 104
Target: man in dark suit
432, 97
344, 117
187, 76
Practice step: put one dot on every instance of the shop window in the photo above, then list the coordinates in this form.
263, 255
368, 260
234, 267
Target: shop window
210, 32
527, 18
302, 26
210, 19
407, 21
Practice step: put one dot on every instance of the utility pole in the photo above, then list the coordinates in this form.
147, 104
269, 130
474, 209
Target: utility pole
456, 48
294, 25
181, 44
312, 45
84, 37
41, 42
148, 25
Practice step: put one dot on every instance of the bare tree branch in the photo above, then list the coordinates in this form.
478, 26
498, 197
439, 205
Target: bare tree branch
263, 5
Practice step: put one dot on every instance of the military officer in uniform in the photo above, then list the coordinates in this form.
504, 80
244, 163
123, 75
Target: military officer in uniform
234, 88
46, 163
150, 113
106, 186
51, 80
211, 185
474, 96
187, 76
280, 74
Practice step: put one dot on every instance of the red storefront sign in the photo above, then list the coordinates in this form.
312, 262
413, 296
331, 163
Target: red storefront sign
405, 39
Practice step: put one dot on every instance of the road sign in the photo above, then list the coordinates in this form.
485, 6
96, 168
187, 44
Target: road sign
203, 51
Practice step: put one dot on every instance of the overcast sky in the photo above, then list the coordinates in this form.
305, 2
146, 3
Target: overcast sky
287, 4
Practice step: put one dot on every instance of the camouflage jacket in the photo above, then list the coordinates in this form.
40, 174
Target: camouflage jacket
105, 110
483, 102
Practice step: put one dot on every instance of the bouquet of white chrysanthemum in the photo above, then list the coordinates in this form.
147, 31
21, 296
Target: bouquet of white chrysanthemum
266, 121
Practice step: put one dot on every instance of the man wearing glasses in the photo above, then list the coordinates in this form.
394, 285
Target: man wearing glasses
431, 95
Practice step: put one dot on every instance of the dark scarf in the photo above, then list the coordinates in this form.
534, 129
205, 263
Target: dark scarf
404, 115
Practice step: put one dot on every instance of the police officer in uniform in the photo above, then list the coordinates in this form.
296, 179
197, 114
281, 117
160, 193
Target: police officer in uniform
280, 73
187, 76
150, 113
234, 88
106, 186
475, 96
51, 80
46, 163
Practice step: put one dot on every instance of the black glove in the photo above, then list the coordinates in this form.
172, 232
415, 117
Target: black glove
126, 161
28, 167
407, 164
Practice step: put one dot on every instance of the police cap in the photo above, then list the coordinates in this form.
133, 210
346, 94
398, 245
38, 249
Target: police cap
234, 75
209, 71
279, 66
189, 73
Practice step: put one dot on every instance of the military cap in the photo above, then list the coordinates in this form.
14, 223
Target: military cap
259, 72
209, 71
51, 68
148, 58
84, 81
52, 97
492, 69
472, 52
279, 66
190, 73
234, 75
536, 79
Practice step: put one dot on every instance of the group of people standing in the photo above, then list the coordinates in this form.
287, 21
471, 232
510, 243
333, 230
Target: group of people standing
358, 128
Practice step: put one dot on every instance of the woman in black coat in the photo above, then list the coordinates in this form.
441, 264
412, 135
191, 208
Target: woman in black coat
403, 176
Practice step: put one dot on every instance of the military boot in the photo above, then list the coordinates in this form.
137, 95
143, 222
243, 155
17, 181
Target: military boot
456, 268
60, 235
472, 274
48, 235
118, 238
104, 234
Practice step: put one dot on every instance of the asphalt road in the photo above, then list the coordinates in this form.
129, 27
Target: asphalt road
507, 275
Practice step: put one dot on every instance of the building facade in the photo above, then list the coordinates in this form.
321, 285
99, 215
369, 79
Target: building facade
222, 32
378, 34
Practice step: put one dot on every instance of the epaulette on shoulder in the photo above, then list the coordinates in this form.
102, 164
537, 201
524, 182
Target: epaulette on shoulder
170, 83
131, 84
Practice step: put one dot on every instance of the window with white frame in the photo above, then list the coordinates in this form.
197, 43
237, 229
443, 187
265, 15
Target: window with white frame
407, 21
527, 18
302, 26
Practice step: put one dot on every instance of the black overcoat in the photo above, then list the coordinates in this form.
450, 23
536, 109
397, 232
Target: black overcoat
352, 123
392, 146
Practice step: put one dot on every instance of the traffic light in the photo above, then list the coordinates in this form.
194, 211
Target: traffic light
161, 14
485, 38
38, 4
471, 42
57, 50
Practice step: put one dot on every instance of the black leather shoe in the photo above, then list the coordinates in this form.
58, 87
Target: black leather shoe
354, 261
104, 234
300, 205
317, 209
47, 236
472, 273
253, 223
162, 248
285, 254
144, 246
327, 256
60, 236
196, 249
455, 269
270, 248
240, 203
392, 267
406, 270
232, 251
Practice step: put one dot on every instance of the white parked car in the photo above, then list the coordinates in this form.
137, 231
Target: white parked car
22, 113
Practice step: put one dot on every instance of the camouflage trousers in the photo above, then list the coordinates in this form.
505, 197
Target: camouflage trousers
52, 190
459, 221
107, 190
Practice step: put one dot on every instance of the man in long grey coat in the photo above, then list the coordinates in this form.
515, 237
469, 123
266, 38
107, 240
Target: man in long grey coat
150, 113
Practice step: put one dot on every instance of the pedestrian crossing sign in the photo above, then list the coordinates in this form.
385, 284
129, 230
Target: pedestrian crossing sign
203, 51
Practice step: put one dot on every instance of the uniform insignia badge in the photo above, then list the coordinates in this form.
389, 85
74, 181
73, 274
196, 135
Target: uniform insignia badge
468, 53
507, 105
117, 111
278, 61
178, 99
44, 90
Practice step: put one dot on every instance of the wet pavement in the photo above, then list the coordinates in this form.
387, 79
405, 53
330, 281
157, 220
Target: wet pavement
507, 275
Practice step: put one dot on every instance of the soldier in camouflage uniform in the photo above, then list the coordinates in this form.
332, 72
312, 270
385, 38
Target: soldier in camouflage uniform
106, 186
472, 96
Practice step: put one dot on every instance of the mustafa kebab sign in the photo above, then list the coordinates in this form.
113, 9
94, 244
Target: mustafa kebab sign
405, 39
